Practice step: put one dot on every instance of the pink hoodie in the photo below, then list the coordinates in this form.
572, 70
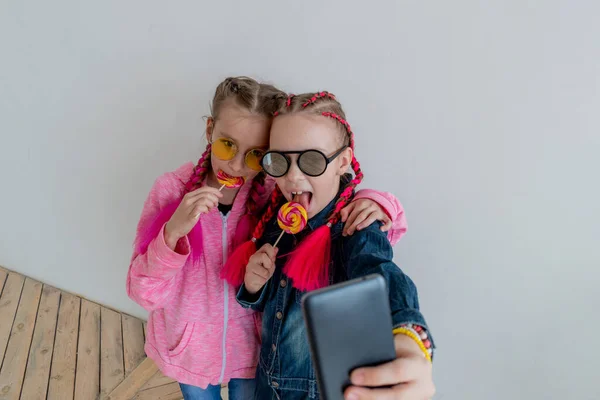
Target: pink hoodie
197, 333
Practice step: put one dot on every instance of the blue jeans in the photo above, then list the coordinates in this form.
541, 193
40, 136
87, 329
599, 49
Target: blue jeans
239, 389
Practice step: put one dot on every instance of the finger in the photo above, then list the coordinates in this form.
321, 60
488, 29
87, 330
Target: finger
351, 219
372, 218
207, 197
260, 271
198, 210
265, 261
204, 189
269, 250
211, 190
208, 203
361, 217
346, 211
191, 202
412, 390
387, 224
400, 370
360, 393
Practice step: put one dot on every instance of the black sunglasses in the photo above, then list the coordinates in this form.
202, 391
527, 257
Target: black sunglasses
311, 162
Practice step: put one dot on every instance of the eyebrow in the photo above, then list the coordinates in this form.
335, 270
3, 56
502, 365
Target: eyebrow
225, 135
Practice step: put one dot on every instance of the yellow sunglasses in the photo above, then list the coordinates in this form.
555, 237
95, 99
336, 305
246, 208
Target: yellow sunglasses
225, 149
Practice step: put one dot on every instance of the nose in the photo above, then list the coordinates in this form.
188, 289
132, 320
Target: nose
294, 174
237, 163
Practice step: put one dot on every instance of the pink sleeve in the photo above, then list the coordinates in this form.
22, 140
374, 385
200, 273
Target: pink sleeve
154, 266
390, 204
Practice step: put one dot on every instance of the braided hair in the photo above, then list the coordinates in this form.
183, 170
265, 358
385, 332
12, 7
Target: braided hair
308, 264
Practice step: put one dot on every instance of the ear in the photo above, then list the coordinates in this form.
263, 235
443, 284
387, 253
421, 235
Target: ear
344, 160
210, 125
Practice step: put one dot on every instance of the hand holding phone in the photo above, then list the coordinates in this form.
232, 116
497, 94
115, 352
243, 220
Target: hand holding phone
349, 325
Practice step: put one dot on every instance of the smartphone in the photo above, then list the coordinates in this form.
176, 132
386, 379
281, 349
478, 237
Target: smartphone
349, 325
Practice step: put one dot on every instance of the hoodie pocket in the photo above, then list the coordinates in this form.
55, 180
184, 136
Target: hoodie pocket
188, 330
199, 349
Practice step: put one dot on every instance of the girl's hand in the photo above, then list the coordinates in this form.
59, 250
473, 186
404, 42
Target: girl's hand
186, 216
361, 213
409, 375
260, 269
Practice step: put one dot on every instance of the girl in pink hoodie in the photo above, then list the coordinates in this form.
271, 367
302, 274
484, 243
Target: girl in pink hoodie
197, 333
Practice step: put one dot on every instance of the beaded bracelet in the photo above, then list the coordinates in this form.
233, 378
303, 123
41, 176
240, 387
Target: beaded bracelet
419, 335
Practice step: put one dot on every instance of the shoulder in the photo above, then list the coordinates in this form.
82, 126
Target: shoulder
170, 185
175, 179
368, 240
179, 176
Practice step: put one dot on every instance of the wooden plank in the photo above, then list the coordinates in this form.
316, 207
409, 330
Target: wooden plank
15, 358
165, 392
134, 381
133, 342
8, 308
87, 376
3, 275
157, 380
62, 374
37, 373
111, 361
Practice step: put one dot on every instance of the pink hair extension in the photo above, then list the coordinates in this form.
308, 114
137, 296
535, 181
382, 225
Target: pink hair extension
200, 171
249, 219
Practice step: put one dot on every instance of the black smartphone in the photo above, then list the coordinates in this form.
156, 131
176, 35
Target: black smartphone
349, 325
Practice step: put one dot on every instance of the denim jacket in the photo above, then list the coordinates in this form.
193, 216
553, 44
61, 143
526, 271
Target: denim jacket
285, 370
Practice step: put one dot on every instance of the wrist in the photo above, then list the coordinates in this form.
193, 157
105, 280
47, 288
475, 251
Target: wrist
171, 238
412, 341
251, 289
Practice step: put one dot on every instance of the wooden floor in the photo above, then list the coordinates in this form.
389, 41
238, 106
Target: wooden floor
58, 346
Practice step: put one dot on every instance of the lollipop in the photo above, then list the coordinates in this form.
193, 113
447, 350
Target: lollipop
291, 218
228, 181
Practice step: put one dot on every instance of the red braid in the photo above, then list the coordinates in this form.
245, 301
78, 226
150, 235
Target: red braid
200, 171
256, 193
348, 192
235, 268
248, 220
268, 214
308, 265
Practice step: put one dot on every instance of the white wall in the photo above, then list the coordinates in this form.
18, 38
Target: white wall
487, 114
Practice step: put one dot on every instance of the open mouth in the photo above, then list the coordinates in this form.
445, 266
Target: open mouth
304, 198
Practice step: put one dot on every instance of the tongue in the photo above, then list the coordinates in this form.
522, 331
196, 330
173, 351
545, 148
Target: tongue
303, 199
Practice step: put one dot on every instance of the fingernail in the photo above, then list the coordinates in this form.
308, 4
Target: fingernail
353, 396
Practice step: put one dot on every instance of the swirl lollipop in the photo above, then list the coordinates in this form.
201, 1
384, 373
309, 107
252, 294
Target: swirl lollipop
292, 218
228, 181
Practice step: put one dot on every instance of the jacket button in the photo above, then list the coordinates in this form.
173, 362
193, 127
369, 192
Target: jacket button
283, 283
279, 315
275, 384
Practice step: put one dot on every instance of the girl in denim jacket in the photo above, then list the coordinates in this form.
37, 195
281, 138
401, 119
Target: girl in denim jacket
312, 147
